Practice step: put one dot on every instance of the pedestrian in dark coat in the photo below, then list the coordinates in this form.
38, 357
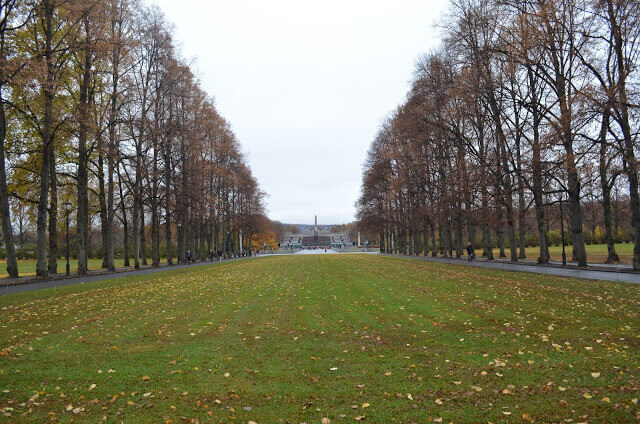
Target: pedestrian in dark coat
471, 254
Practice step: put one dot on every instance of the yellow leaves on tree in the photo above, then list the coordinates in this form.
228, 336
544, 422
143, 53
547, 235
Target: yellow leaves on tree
266, 237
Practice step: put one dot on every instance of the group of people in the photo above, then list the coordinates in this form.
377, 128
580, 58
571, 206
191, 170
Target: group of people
189, 256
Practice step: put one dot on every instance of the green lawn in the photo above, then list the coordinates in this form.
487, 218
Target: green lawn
596, 253
301, 338
27, 267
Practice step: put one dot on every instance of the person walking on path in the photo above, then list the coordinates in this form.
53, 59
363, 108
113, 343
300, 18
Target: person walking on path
210, 255
188, 256
471, 254
219, 254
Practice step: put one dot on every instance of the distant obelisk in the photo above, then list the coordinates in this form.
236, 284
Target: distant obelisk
316, 239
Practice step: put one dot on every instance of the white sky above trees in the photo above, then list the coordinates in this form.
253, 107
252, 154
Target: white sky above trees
305, 86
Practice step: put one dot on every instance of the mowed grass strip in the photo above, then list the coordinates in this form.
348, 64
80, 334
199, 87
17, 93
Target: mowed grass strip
596, 254
27, 267
347, 337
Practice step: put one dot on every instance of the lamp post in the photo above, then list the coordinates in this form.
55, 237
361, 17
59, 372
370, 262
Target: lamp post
67, 208
564, 254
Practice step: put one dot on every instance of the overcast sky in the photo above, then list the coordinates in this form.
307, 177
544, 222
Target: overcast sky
305, 85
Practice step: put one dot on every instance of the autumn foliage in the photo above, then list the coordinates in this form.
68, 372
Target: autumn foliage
100, 112
528, 109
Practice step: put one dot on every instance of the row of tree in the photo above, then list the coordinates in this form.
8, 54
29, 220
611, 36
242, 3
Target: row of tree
527, 103
99, 113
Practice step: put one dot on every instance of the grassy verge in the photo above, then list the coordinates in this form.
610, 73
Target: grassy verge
596, 253
27, 267
345, 337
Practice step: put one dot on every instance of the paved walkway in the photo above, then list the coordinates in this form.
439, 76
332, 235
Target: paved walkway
611, 273
11, 287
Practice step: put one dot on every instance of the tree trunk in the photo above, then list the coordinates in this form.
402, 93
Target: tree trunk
47, 140
575, 210
471, 225
505, 179
125, 226
536, 170
634, 204
82, 225
109, 242
155, 216
573, 178
605, 185
5, 211
102, 198
487, 244
167, 199
622, 105
53, 213
500, 232
425, 235
444, 239
143, 236
112, 151
181, 248
522, 225
136, 226
216, 235
459, 229
201, 236
434, 247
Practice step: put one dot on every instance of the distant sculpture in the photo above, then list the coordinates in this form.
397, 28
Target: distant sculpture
310, 237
